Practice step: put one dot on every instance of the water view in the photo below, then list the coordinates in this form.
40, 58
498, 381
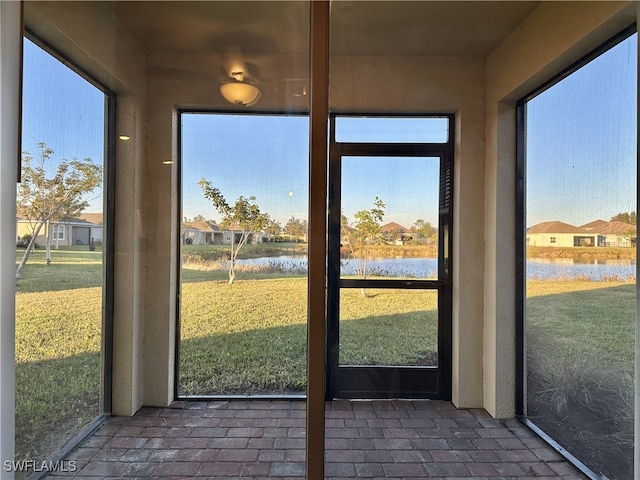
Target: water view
537, 269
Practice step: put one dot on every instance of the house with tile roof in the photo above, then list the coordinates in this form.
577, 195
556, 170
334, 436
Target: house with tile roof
598, 233
613, 234
396, 233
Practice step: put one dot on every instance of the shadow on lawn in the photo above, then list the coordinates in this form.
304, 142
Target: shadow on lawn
580, 374
272, 360
55, 399
38, 277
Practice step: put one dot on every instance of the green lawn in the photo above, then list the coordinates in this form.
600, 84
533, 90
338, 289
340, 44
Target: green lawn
580, 382
251, 336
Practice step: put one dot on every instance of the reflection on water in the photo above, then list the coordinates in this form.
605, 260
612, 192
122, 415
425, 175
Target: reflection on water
591, 269
394, 267
538, 268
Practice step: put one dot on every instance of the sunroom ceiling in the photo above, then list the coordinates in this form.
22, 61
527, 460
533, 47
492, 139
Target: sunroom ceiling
394, 28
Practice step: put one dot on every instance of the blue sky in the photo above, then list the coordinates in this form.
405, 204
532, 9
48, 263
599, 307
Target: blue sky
267, 157
581, 151
63, 110
581, 142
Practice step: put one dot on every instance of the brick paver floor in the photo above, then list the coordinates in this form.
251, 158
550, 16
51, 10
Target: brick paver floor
364, 439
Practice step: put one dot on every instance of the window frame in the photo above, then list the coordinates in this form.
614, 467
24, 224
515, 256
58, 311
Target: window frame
522, 241
108, 269
227, 236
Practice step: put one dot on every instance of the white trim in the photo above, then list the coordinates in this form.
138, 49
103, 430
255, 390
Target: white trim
10, 64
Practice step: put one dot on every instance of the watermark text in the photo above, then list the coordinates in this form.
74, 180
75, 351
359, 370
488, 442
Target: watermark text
34, 466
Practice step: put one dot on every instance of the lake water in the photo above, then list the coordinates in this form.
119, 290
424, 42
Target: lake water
544, 269
567, 268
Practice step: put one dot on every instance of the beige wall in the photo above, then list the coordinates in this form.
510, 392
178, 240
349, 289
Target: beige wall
555, 35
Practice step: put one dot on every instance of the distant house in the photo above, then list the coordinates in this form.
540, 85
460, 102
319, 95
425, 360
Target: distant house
396, 233
613, 234
209, 233
97, 219
598, 233
235, 232
201, 233
74, 231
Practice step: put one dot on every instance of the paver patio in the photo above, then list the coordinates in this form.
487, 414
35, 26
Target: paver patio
255, 439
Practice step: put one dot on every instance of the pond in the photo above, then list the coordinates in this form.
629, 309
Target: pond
537, 268
569, 268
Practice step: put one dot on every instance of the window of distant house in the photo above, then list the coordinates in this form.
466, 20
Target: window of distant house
58, 232
553, 240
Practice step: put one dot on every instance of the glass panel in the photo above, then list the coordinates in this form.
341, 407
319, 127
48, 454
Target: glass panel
244, 282
389, 217
581, 261
60, 239
392, 130
388, 327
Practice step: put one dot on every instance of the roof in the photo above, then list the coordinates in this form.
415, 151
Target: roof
202, 226
97, 218
67, 221
555, 227
609, 228
597, 227
393, 226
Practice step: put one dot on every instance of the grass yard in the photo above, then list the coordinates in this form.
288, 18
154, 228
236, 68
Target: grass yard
581, 347
250, 337
57, 367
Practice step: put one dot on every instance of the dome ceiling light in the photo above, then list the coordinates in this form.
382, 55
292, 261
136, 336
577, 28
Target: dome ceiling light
240, 93
240, 89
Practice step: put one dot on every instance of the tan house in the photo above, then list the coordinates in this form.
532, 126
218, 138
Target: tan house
201, 233
613, 234
205, 233
74, 231
97, 219
598, 233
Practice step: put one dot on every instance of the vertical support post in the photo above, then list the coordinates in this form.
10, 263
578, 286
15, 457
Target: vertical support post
10, 68
636, 416
317, 292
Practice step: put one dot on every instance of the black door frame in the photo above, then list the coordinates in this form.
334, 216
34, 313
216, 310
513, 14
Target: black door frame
390, 381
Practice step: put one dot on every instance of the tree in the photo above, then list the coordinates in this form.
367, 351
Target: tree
244, 216
423, 229
273, 228
364, 233
42, 199
295, 228
625, 217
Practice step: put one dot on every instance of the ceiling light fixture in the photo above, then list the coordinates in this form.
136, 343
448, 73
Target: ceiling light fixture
240, 93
